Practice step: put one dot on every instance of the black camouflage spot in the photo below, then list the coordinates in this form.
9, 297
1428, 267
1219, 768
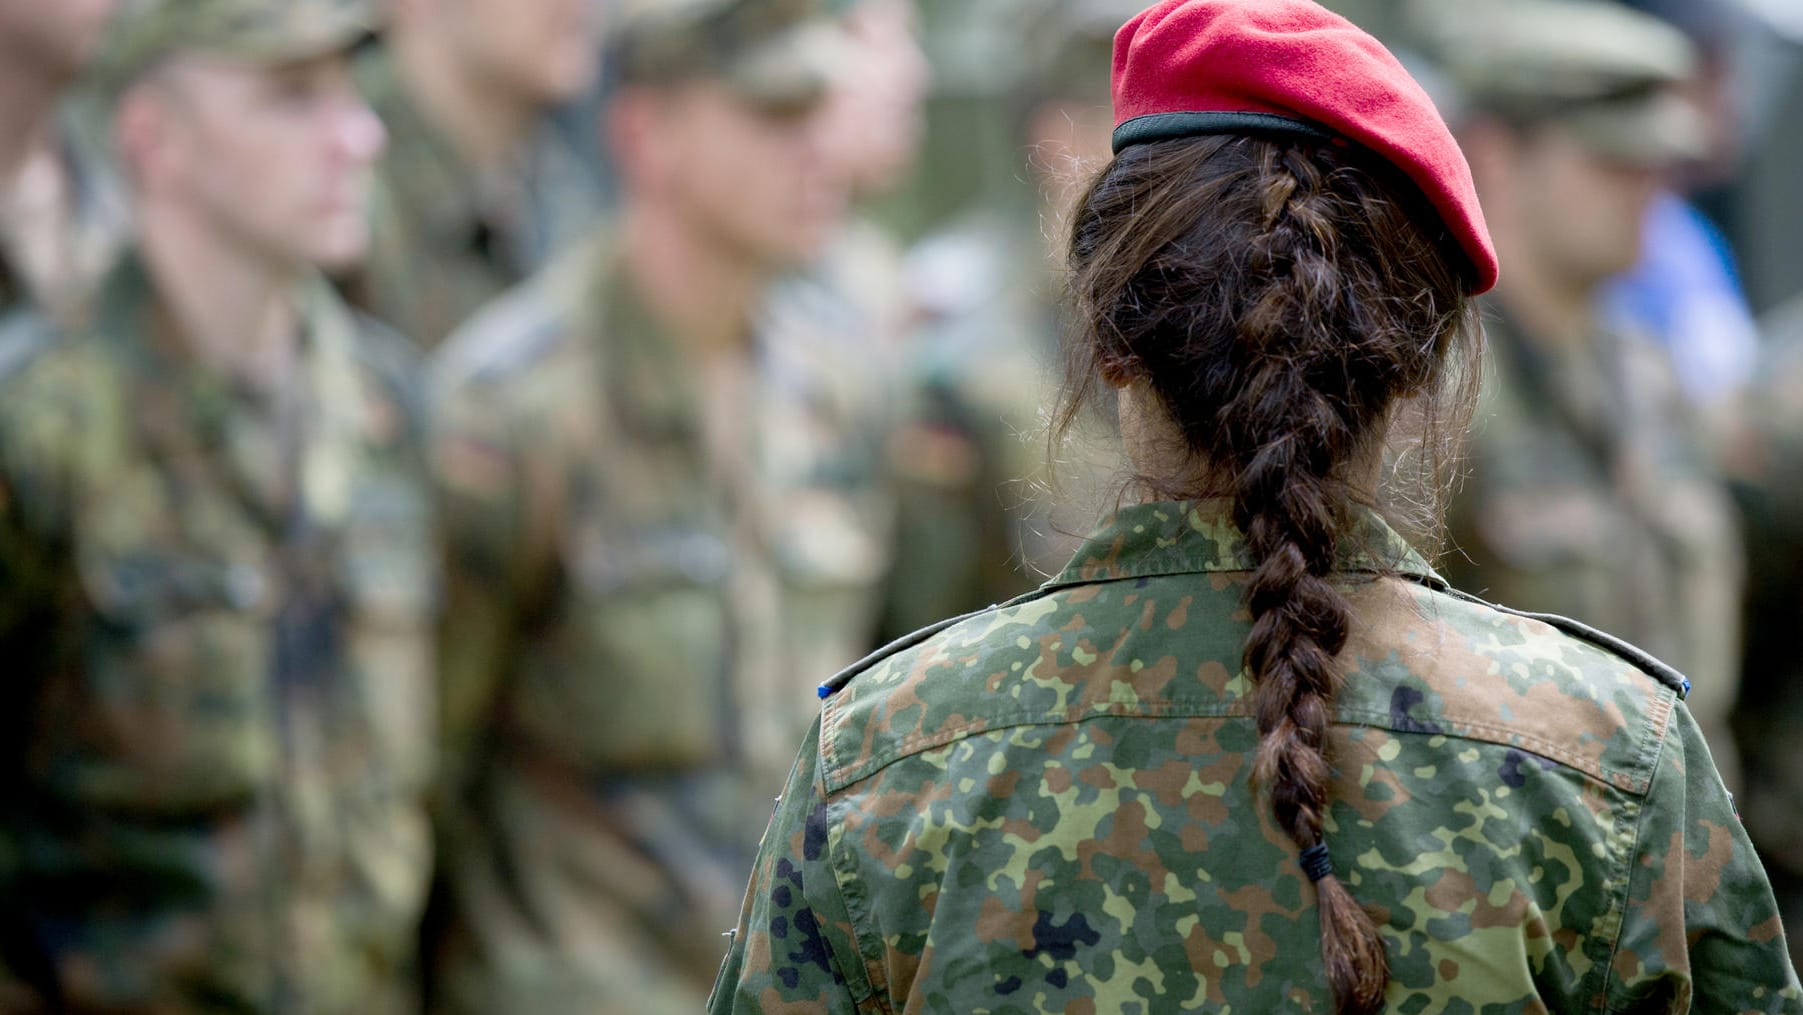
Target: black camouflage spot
1058, 978
1510, 770
782, 896
1008, 986
813, 837
1402, 702
812, 948
1061, 942
779, 928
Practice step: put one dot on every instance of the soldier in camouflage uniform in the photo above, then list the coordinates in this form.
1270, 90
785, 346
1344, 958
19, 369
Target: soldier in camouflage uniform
475, 190
658, 518
60, 217
1591, 492
978, 523
1248, 752
1763, 454
216, 566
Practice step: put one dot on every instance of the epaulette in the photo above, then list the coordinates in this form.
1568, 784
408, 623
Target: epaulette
839, 680
1639, 657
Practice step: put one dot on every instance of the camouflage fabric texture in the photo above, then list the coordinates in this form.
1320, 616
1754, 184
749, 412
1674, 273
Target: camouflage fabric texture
776, 52
446, 238
217, 610
1045, 807
145, 32
644, 554
979, 524
1591, 495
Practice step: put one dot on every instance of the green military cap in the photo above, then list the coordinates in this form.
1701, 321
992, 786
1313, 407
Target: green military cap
773, 52
145, 32
1601, 71
1070, 45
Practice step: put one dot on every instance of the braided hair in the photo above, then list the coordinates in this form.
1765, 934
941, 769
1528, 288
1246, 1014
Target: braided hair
1287, 301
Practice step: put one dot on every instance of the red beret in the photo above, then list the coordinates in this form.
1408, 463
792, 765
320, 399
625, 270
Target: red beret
1184, 68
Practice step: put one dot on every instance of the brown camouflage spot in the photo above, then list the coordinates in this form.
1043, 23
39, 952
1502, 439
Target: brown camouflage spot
998, 923
1097, 776
1057, 780
1165, 782
1202, 951
1455, 891
1770, 930
1128, 841
1180, 615
1703, 874
1449, 970
1255, 902
1001, 787
1352, 754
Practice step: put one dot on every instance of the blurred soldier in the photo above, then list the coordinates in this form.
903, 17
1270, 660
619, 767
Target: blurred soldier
633, 493
1764, 457
838, 325
59, 219
215, 557
976, 526
1590, 494
876, 119
475, 190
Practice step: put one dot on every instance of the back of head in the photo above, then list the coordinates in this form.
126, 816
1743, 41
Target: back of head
1282, 254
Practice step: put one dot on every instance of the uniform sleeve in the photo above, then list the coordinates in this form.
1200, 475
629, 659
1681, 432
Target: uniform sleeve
1700, 931
479, 477
790, 950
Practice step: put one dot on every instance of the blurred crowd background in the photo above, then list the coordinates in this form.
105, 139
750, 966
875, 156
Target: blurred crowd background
438, 634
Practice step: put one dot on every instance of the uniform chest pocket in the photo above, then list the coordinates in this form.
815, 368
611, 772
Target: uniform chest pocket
637, 672
388, 576
171, 708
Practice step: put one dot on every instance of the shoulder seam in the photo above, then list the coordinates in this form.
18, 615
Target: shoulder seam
1622, 886
1621, 648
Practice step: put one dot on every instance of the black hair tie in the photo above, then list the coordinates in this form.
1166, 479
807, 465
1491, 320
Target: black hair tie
1316, 863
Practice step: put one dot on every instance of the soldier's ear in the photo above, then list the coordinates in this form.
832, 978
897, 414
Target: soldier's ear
630, 126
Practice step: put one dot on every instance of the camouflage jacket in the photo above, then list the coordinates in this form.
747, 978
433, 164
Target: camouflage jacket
1592, 495
217, 614
446, 239
1045, 807
645, 555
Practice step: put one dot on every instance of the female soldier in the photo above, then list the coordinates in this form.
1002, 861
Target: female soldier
1248, 750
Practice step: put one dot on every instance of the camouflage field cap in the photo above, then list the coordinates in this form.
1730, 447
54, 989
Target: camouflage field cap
145, 32
1069, 45
777, 53
1602, 71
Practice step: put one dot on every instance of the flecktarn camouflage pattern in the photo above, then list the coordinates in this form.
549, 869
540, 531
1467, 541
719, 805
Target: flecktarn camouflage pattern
647, 558
145, 32
217, 618
1046, 808
446, 237
1591, 496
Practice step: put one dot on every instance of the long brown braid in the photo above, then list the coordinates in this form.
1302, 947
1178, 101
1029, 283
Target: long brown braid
1281, 298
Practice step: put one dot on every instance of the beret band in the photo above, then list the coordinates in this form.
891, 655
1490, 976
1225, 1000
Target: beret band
1171, 126
1185, 68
